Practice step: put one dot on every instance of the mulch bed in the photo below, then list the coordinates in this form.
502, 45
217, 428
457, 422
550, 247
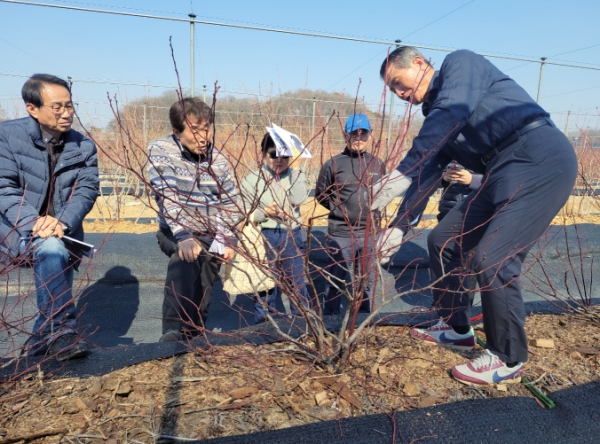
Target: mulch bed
236, 390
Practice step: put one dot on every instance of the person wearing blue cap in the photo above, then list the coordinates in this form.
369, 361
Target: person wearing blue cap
341, 188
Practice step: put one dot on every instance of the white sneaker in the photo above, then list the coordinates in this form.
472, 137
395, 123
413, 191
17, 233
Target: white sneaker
487, 369
443, 334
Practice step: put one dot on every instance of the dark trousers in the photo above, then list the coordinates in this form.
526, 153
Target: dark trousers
285, 251
469, 281
345, 254
492, 231
188, 287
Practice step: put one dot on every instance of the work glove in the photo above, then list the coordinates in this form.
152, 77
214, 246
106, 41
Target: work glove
389, 243
391, 185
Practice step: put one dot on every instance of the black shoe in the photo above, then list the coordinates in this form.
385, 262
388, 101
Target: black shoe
34, 346
68, 346
171, 336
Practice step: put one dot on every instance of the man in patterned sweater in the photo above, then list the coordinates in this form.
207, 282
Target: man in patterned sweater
196, 197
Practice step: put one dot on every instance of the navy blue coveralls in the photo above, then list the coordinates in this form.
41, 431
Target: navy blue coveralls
481, 118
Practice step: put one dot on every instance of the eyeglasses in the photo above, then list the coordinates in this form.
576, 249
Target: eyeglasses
59, 108
274, 156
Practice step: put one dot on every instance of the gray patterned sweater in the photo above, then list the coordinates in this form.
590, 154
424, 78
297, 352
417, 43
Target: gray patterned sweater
194, 195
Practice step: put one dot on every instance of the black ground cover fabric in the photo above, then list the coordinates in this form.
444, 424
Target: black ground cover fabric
576, 420
103, 361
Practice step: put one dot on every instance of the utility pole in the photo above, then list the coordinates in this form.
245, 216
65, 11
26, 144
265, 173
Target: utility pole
567, 124
541, 78
389, 137
145, 127
312, 126
192, 16
204, 95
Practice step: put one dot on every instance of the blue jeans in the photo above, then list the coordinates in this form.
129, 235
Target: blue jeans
53, 282
285, 252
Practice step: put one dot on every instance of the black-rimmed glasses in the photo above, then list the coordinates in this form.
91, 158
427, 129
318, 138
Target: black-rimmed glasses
59, 108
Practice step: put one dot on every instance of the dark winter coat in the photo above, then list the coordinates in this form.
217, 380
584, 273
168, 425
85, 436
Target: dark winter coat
24, 181
471, 107
453, 194
342, 188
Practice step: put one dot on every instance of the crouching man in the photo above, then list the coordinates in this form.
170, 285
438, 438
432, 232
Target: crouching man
48, 184
196, 197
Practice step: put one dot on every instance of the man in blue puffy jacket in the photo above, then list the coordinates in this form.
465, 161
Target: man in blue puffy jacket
480, 117
48, 184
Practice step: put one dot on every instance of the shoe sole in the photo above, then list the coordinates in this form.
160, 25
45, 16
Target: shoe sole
506, 381
75, 354
450, 346
170, 338
443, 344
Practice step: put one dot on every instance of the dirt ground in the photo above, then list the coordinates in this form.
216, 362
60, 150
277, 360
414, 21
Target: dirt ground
244, 389
239, 390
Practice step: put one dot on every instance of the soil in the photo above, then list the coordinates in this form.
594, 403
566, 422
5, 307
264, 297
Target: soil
235, 390
242, 389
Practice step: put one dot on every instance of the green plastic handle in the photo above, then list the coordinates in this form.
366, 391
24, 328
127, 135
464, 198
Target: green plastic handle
537, 392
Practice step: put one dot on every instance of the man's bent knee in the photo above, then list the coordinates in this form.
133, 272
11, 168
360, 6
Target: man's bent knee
50, 245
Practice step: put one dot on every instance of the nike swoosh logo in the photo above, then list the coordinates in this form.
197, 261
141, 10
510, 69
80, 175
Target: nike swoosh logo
498, 378
445, 340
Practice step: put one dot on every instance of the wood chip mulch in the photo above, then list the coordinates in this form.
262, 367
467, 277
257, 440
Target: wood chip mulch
243, 389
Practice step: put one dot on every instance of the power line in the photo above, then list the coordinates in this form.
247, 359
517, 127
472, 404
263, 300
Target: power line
577, 50
224, 91
22, 50
284, 31
559, 54
381, 52
119, 7
571, 92
246, 113
438, 19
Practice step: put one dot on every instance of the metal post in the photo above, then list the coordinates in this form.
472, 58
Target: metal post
192, 16
567, 124
389, 137
204, 95
541, 78
145, 127
312, 126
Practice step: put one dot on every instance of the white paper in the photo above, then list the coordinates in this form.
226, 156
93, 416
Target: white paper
218, 244
89, 247
288, 144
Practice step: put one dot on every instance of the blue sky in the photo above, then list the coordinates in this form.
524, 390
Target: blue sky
102, 47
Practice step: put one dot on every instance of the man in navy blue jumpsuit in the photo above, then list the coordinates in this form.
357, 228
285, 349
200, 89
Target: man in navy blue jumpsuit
481, 118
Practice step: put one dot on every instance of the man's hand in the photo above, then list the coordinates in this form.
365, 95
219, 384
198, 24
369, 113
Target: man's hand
228, 254
188, 250
47, 226
389, 243
391, 185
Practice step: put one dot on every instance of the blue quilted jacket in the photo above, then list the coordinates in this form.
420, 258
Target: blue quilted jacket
24, 181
